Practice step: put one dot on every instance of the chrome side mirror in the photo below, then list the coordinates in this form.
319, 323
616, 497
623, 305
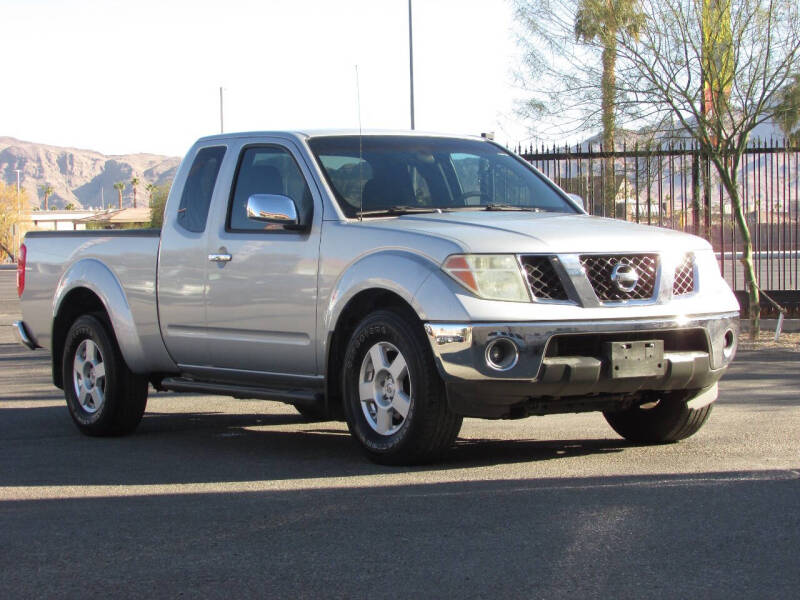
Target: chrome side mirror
272, 208
577, 200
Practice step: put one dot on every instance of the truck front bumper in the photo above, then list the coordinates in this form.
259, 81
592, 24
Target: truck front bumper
498, 370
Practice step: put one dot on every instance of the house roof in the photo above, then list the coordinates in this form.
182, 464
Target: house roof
124, 215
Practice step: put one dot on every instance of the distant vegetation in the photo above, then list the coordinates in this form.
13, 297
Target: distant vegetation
158, 201
12, 209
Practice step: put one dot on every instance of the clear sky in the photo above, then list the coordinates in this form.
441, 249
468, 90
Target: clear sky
144, 75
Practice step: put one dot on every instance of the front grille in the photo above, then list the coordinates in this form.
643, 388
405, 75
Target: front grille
543, 280
683, 281
600, 268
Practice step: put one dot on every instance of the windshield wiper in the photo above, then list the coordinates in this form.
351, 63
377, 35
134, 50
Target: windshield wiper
400, 210
510, 207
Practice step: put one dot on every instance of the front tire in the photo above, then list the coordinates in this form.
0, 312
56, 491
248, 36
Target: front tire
103, 395
394, 399
669, 420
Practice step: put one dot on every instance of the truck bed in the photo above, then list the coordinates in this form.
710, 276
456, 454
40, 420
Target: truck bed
58, 261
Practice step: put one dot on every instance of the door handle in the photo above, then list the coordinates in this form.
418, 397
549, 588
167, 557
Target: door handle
219, 257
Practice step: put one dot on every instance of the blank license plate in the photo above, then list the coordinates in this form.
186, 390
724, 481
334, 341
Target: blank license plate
636, 359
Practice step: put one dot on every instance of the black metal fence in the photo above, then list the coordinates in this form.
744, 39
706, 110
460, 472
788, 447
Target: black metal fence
676, 186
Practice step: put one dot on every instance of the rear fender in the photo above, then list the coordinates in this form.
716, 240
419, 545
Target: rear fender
93, 275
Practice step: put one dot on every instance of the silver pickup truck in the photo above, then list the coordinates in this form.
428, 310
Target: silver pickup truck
399, 281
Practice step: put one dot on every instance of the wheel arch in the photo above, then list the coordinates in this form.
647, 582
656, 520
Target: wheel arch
88, 287
361, 304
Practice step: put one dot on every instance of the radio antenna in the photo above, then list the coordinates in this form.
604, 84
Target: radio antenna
360, 153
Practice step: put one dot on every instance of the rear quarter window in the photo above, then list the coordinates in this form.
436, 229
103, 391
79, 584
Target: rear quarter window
199, 187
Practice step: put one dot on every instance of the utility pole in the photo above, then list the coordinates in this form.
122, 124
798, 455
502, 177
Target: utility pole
411, 61
221, 128
19, 217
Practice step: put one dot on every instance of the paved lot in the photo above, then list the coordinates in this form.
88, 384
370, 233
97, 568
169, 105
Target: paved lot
222, 498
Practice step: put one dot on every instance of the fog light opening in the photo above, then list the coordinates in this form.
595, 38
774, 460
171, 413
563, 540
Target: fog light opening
501, 354
728, 343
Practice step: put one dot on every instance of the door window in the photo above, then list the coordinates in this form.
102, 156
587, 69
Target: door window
268, 170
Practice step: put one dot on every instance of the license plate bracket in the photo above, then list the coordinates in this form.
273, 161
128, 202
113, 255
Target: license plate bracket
643, 358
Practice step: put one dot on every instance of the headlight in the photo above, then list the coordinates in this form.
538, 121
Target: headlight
490, 276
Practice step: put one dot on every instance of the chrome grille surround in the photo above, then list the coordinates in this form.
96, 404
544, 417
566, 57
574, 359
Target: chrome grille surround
683, 278
599, 269
542, 277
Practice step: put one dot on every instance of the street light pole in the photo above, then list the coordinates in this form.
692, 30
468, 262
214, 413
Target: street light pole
221, 128
411, 62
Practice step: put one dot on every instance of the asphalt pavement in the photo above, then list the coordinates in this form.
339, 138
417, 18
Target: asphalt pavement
214, 497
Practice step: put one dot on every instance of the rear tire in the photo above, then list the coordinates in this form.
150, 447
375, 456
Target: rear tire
394, 399
670, 420
103, 395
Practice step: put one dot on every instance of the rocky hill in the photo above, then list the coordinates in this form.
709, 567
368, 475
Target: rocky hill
84, 178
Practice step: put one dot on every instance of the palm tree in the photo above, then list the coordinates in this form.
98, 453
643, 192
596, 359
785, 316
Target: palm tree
602, 20
47, 190
134, 183
150, 187
119, 186
789, 110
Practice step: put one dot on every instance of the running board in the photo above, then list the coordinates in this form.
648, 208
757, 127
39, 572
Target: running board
243, 392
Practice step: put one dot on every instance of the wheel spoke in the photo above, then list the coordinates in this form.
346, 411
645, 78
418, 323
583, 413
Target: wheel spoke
92, 355
366, 391
383, 419
398, 368
378, 355
80, 391
401, 403
99, 370
79, 361
97, 397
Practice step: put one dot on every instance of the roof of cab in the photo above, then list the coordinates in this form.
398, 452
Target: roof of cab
312, 133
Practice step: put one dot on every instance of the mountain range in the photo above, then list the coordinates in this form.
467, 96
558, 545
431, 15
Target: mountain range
83, 178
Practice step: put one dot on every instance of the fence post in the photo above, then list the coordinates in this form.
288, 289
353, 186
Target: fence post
695, 189
707, 194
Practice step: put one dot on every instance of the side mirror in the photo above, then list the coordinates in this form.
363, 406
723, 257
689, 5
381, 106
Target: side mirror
272, 208
577, 200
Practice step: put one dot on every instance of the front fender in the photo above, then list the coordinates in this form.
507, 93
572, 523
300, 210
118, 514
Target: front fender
93, 275
397, 271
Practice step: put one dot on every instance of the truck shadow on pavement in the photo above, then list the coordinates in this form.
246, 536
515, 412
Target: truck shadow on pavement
43, 448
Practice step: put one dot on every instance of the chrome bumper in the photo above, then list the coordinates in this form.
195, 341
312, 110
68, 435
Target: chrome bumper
23, 335
460, 349
578, 378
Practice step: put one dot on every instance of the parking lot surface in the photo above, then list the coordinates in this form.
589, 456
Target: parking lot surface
214, 497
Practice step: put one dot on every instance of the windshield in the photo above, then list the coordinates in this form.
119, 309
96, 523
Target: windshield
393, 174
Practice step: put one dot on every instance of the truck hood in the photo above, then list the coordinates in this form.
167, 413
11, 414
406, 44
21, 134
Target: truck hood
522, 232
